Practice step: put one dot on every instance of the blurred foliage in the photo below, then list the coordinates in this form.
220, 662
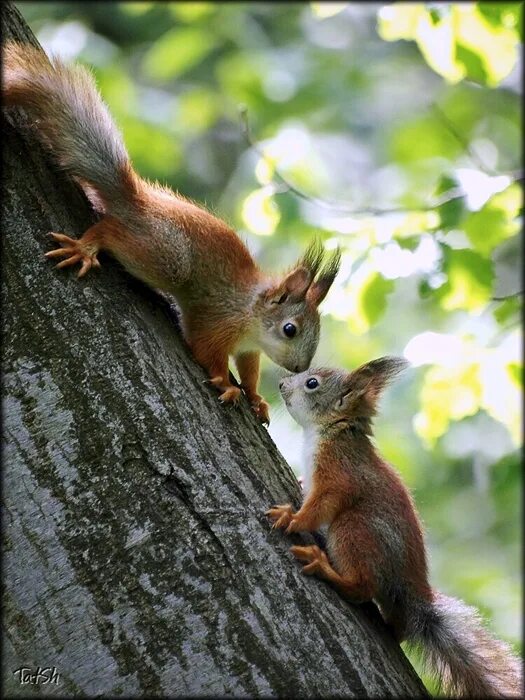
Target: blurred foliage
399, 125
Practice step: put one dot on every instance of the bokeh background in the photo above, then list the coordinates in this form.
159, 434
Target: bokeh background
391, 130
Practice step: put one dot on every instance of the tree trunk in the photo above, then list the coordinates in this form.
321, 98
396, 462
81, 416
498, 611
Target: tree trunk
137, 556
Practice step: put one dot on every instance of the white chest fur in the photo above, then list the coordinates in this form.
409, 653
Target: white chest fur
310, 440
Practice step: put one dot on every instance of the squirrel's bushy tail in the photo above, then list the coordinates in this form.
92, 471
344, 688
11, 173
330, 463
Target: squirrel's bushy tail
459, 651
69, 116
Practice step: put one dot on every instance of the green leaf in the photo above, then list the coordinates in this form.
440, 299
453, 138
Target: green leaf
474, 66
470, 277
458, 43
191, 11
451, 212
515, 369
486, 228
445, 184
177, 51
369, 301
198, 110
409, 243
424, 289
507, 309
399, 21
488, 52
156, 153
435, 15
502, 14
239, 75
136, 9
495, 221
373, 300
421, 139
449, 393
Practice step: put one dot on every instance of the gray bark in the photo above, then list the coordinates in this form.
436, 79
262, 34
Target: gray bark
137, 557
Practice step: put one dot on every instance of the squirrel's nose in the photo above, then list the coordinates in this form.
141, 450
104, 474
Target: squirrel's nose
296, 368
281, 384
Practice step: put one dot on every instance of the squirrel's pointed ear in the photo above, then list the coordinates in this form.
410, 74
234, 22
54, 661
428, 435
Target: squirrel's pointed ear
350, 398
369, 380
294, 286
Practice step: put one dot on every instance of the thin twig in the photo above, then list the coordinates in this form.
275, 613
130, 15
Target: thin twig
508, 296
474, 157
452, 195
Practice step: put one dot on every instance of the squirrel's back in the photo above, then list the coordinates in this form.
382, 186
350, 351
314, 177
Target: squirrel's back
389, 516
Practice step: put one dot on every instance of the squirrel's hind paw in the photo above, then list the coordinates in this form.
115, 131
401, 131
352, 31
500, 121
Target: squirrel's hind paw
281, 515
74, 251
316, 560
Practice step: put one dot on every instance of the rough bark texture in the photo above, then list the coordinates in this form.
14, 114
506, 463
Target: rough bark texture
138, 560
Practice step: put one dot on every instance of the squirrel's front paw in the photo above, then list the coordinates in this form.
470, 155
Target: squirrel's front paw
281, 515
262, 410
74, 251
231, 395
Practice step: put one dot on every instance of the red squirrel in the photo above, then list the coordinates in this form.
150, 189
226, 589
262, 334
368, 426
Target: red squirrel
375, 542
228, 305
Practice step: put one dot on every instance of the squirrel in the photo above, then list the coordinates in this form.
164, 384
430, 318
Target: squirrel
228, 305
375, 539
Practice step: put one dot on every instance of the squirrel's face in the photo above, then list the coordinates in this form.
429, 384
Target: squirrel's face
288, 309
320, 397
290, 334
312, 396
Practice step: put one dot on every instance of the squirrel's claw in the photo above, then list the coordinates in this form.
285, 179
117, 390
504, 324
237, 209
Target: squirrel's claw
314, 556
306, 553
68, 261
73, 251
62, 238
312, 568
59, 252
282, 515
292, 526
262, 411
231, 395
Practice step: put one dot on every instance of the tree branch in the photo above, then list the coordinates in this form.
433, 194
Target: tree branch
286, 186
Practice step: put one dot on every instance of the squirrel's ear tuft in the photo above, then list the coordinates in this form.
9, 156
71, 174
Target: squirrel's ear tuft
327, 274
313, 257
364, 385
299, 283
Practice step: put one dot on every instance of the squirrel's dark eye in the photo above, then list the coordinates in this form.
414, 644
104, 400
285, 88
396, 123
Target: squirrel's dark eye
312, 383
289, 330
